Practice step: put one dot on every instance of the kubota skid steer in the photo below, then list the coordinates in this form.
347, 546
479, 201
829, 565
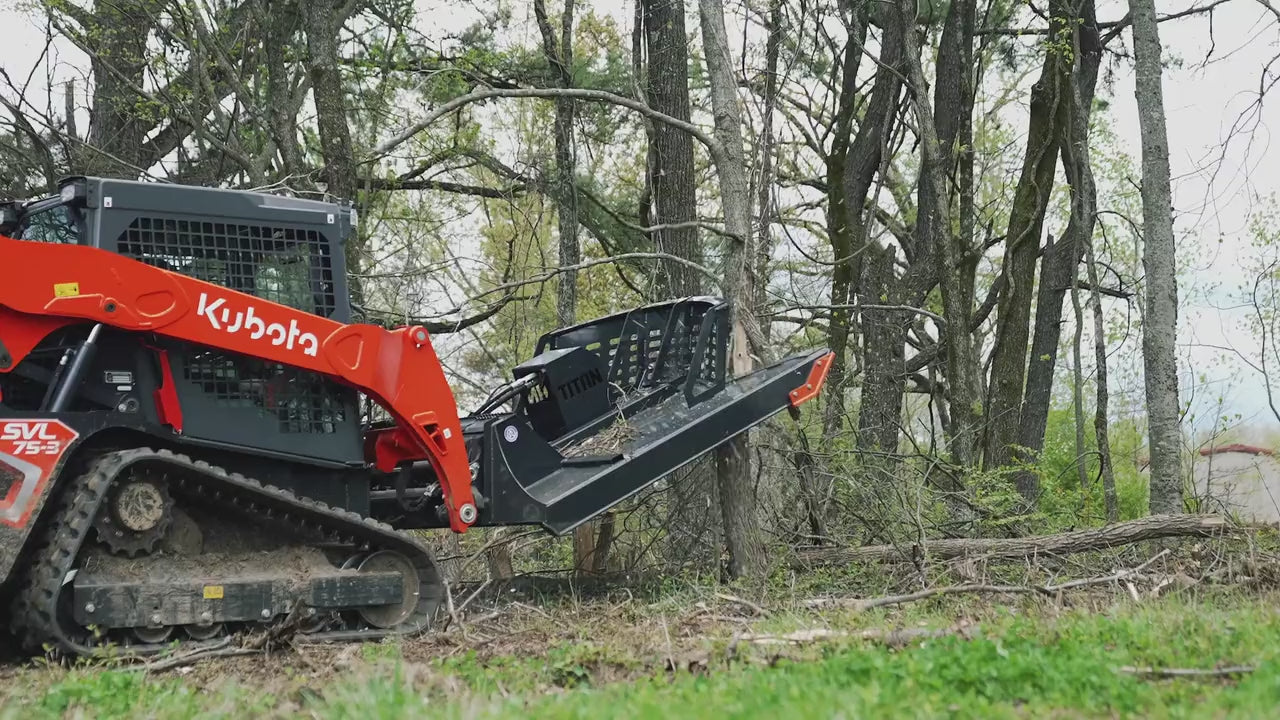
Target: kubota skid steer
186, 444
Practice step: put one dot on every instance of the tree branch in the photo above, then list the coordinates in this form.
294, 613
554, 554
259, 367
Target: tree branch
1115, 26
408, 132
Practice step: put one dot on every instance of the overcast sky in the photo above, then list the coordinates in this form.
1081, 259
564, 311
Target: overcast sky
1217, 184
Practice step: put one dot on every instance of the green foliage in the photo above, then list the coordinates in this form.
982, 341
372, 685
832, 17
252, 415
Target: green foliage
1064, 503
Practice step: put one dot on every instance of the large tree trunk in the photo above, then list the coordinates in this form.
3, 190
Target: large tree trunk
1160, 333
951, 259
691, 527
1060, 266
743, 533
672, 174
1022, 248
840, 224
884, 382
880, 406
559, 56
322, 23
116, 125
766, 208
953, 123
280, 24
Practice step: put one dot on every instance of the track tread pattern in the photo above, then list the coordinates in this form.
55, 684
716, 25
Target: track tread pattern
35, 607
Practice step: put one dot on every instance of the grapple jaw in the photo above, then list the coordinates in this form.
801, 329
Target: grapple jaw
608, 407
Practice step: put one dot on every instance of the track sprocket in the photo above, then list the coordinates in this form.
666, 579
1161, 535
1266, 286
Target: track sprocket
136, 514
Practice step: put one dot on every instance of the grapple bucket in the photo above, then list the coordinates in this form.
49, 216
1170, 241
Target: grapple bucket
609, 407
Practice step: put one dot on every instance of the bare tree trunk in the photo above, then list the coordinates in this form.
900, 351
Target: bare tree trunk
1100, 422
116, 126
1077, 391
883, 387
321, 23
674, 203
765, 206
1022, 248
743, 533
840, 226
1076, 157
966, 410
672, 175
1060, 266
1160, 332
560, 57
953, 100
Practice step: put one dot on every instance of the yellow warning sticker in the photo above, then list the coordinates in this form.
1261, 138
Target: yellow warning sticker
212, 592
66, 289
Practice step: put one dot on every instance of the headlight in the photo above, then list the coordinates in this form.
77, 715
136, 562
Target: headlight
73, 192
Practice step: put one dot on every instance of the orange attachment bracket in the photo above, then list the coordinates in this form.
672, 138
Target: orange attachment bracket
813, 384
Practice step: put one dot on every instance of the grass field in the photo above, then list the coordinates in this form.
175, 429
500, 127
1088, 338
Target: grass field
992, 657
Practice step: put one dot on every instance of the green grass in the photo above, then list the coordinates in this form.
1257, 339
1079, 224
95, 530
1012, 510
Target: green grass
1013, 665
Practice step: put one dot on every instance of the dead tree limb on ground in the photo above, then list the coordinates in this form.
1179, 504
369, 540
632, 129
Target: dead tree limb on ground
1148, 528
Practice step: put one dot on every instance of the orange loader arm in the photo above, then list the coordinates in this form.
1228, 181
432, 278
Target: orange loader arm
45, 286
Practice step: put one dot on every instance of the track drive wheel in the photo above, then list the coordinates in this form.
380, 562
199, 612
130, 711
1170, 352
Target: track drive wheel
136, 514
389, 616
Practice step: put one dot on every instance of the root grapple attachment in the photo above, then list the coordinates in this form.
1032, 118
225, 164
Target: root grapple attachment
607, 408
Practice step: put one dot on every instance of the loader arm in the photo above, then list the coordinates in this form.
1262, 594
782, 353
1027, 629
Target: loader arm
44, 286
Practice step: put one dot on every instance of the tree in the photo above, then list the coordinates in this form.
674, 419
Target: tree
743, 534
322, 20
1049, 106
1160, 330
671, 201
1061, 263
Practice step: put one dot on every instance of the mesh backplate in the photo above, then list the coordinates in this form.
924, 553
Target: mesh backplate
284, 265
640, 343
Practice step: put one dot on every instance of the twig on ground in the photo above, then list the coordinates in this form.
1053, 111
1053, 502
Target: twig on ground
745, 603
1189, 672
473, 595
222, 648
895, 638
453, 612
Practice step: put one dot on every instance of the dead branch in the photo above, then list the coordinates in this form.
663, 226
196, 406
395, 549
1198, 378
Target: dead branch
744, 603
861, 605
892, 638
1189, 672
713, 147
1148, 528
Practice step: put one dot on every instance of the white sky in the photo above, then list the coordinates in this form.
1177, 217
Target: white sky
1214, 193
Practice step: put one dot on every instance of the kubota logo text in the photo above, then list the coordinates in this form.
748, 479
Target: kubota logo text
221, 318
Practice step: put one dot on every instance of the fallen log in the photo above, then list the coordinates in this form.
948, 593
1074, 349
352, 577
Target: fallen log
1148, 528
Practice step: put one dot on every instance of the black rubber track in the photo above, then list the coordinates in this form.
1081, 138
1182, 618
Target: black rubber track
42, 624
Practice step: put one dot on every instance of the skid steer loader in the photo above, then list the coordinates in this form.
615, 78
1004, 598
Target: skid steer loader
196, 438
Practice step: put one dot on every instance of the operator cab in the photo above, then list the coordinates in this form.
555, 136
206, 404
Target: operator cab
281, 249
